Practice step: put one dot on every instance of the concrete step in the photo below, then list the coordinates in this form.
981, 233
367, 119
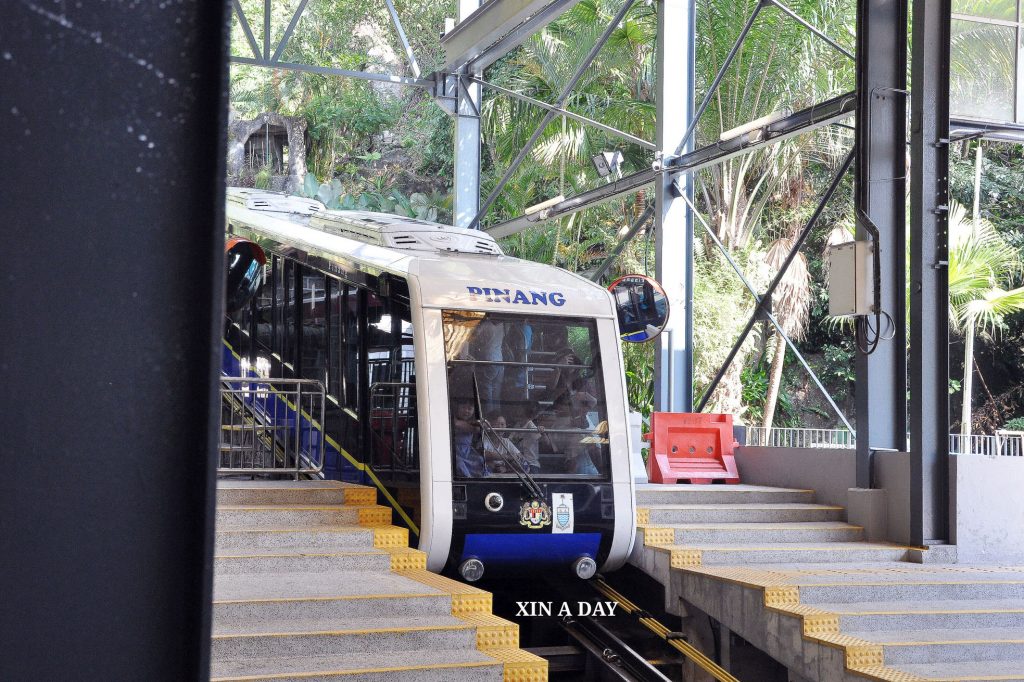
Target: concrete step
685, 493
946, 645
293, 493
262, 586
728, 533
305, 560
1010, 670
426, 665
261, 540
772, 512
239, 613
712, 554
352, 636
953, 615
913, 589
231, 517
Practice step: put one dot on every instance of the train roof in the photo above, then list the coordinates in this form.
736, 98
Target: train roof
456, 267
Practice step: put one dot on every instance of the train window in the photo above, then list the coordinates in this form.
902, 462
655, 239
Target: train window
350, 352
392, 391
264, 310
290, 318
277, 342
537, 382
315, 315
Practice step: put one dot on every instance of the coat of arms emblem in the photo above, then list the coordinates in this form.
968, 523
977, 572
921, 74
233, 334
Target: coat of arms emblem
535, 514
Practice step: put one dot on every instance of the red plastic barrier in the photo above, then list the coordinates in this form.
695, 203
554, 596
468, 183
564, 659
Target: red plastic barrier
694, 447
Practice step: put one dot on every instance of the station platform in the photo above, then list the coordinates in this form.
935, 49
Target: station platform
797, 581
312, 582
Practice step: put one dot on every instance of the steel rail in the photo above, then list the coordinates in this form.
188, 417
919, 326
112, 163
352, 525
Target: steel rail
401, 36
813, 29
682, 646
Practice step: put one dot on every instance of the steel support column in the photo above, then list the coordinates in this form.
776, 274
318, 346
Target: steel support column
879, 192
673, 222
467, 140
931, 517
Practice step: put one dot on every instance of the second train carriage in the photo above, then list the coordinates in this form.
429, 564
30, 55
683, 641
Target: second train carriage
482, 394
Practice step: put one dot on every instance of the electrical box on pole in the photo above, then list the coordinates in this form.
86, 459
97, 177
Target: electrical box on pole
851, 273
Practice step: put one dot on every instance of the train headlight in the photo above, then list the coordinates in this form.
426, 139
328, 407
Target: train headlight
494, 502
471, 570
585, 567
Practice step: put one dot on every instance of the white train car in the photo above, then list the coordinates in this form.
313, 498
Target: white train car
483, 395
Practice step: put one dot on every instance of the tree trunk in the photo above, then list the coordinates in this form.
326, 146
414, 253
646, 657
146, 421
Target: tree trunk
965, 413
774, 383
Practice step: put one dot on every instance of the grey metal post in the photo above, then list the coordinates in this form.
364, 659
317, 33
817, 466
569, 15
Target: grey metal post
673, 220
931, 515
879, 191
467, 140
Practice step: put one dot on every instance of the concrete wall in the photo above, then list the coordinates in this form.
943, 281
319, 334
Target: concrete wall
989, 494
892, 473
829, 472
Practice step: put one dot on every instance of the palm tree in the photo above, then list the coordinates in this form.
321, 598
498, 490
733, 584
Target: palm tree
980, 262
791, 305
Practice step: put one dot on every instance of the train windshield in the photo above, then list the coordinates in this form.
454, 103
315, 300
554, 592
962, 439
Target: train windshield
525, 392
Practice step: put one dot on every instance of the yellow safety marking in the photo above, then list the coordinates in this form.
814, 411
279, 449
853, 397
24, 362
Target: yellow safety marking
342, 633
466, 599
643, 516
303, 529
295, 554
520, 666
390, 536
493, 632
407, 558
344, 597
685, 558
881, 673
658, 536
819, 624
360, 466
354, 671
375, 515
776, 596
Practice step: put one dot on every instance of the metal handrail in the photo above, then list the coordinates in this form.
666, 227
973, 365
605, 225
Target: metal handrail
1002, 443
271, 426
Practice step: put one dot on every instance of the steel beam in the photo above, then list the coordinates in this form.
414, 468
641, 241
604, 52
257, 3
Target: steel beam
673, 222
963, 128
803, 121
110, 348
405, 41
330, 71
931, 515
495, 29
633, 139
879, 193
466, 186
550, 115
770, 291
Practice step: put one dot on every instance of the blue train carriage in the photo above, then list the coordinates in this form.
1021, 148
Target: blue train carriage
481, 394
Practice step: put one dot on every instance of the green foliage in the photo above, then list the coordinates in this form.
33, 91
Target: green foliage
638, 359
1015, 424
420, 206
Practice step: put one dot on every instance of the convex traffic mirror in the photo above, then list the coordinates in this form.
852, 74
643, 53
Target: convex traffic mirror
642, 307
245, 261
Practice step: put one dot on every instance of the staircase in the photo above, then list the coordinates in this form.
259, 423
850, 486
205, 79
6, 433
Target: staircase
791, 577
313, 583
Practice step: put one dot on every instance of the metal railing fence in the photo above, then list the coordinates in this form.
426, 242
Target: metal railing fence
1000, 444
271, 426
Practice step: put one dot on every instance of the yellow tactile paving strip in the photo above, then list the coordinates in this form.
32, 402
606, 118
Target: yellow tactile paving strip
781, 589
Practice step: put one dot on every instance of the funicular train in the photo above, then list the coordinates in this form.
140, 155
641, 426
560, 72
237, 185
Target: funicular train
483, 395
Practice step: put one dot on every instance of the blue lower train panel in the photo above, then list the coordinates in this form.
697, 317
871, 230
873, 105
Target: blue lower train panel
519, 548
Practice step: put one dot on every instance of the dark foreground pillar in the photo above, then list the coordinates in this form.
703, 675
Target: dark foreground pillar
111, 184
